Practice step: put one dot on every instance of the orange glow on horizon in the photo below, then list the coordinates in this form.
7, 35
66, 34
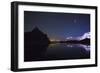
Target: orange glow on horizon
54, 40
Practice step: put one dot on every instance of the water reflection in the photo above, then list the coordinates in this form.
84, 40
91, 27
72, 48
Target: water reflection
57, 51
86, 47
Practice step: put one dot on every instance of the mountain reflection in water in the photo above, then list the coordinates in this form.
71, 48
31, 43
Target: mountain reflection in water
62, 51
68, 51
86, 47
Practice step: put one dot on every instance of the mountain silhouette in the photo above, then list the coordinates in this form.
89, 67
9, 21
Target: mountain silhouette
36, 37
35, 44
84, 41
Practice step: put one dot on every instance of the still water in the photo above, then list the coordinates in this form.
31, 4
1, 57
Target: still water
67, 51
57, 51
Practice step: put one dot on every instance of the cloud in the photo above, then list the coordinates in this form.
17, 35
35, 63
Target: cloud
84, 36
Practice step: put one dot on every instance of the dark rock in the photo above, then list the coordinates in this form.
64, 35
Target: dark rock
35, 44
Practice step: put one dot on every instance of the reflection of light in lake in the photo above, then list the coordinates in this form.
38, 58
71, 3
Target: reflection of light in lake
64, 45
67, 51
86, 47
69, 45
53, 45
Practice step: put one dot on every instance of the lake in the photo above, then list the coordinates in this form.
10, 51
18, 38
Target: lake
67, 51
59, 51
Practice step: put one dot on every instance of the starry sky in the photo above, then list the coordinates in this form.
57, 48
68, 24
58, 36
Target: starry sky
57, 25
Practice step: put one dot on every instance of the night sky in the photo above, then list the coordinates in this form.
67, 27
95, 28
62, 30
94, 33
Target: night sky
57, 25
